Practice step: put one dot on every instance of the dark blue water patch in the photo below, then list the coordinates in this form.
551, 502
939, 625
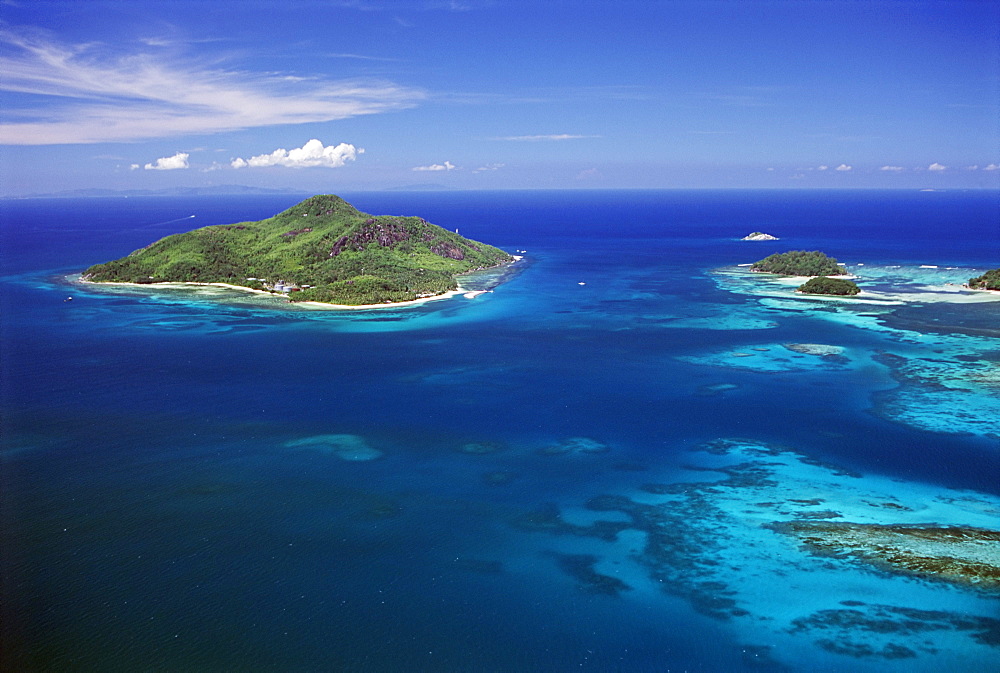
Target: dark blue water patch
972, 319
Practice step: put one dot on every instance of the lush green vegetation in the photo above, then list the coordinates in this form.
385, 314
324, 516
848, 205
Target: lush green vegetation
988, 281
323, 249
799, 263
824, 285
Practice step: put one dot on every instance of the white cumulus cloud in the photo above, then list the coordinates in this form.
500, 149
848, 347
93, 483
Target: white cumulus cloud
446, 166
822, 168
991, 167
936, 167
843, 167
179, 160
488, 167
894, 169
313, 153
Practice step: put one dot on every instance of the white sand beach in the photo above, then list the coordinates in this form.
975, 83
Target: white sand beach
279, 295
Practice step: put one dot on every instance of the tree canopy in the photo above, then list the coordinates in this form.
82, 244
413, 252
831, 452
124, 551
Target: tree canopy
799, 263
825, 285
988, 281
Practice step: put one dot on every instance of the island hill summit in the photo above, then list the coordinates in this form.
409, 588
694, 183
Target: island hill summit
322, 250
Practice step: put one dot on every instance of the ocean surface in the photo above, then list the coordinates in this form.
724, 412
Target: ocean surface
621, 458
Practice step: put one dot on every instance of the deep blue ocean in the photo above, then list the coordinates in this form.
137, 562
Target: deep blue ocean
580, 470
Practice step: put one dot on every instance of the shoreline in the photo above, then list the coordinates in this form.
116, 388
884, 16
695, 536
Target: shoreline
354, 307
180, 285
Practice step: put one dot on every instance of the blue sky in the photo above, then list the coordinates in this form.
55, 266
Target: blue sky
366, 94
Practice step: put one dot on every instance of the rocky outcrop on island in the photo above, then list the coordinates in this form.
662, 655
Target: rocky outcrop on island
321, 250
759, 236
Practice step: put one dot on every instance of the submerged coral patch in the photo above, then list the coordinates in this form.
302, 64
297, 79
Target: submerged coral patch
499, 477
776, 358
715, 389
346, 447
873, 630
480, 448
942, 395
548, 519
575, 445
822, 350
581, 568
959, 554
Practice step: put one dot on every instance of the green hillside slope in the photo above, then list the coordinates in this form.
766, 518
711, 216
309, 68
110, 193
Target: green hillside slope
322, 249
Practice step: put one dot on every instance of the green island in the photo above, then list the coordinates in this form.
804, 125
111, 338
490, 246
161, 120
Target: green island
321, 250
988, 281
825, 285
799, 263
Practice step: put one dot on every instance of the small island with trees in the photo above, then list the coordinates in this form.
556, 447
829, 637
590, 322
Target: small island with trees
988, 281
799, 263
825, 285
321, 250
809, 263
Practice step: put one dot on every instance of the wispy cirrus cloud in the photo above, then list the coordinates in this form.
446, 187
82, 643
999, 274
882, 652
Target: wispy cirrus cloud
87, 94
415, 5
446, 166
547, 95
488, 167
545, 137
364, 57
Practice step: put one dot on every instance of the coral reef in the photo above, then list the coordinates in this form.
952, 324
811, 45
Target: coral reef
959, 554
575, 445
345, 447
853, 628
